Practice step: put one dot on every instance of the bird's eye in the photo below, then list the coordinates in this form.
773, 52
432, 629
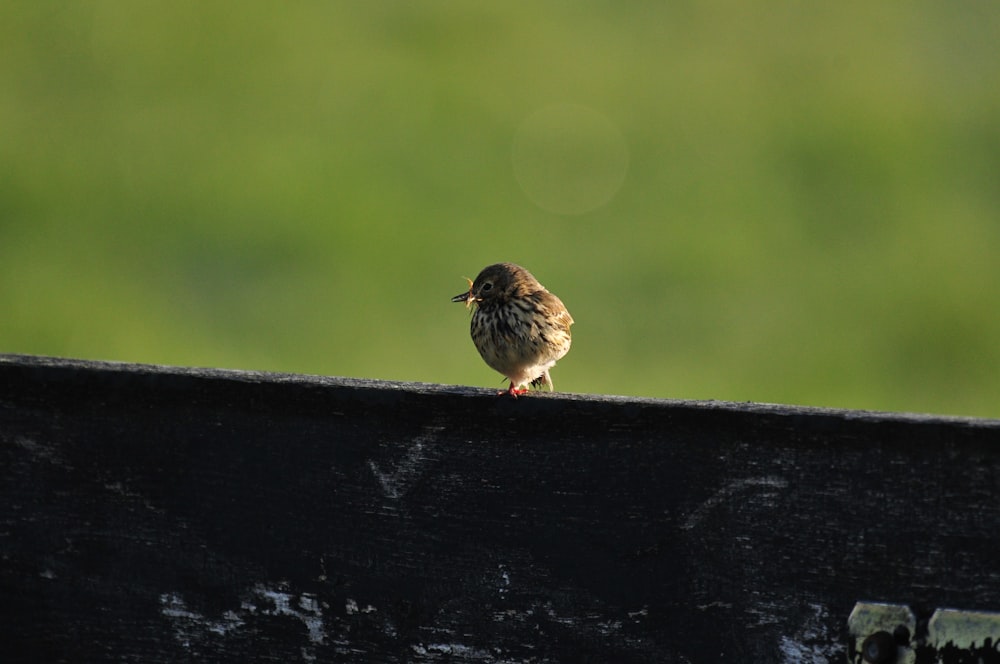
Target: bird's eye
487, 286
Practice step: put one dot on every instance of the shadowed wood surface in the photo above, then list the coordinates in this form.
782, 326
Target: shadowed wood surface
159, 514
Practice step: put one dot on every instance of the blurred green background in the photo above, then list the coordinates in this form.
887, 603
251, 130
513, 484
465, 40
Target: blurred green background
790, 202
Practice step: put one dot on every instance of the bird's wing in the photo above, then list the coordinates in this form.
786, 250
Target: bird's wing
558, 313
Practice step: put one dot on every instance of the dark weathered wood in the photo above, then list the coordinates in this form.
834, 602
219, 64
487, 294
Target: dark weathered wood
159, 515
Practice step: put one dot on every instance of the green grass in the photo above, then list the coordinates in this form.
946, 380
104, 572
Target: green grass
810, 212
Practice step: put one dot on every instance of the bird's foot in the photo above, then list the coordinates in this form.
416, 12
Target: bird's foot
513, 391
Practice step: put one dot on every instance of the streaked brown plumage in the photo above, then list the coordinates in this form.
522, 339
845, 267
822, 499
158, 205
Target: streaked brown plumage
519, 327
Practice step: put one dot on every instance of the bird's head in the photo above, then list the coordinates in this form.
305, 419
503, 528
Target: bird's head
497, 283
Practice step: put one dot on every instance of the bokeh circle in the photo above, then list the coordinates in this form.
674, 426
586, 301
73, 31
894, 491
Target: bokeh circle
569, 159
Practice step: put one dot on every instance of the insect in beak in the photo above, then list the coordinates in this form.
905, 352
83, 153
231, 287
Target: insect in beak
467, 297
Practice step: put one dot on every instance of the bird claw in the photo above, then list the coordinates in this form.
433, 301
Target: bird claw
513, 391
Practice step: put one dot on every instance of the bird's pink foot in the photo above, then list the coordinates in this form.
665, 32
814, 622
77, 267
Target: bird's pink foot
513, 391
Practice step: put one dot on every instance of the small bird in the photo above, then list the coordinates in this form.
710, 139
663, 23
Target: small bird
519, 327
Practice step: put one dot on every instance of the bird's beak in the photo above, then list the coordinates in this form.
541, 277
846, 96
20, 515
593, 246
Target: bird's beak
467, 297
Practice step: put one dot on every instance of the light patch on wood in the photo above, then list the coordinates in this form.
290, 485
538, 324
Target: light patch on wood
727, 493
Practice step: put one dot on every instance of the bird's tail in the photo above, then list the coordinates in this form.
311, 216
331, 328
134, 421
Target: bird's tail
544, 379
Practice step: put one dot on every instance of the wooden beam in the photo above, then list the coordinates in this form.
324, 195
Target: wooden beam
160, 514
